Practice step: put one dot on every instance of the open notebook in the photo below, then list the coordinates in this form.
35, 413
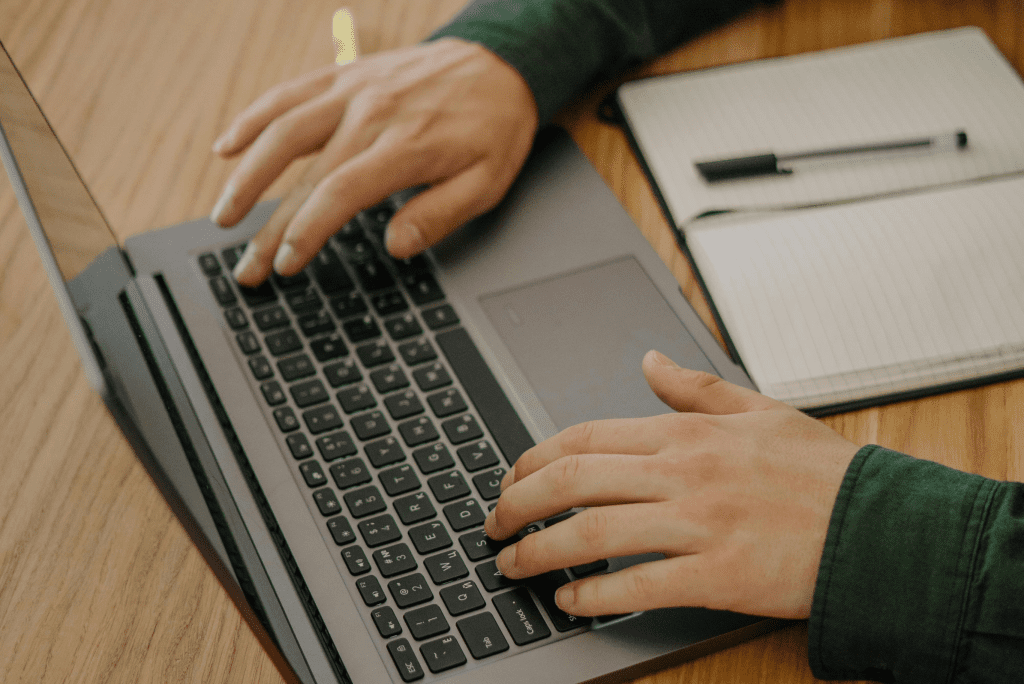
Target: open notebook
859, 280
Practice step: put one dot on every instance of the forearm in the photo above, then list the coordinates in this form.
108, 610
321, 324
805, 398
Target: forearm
922, 576
561, 46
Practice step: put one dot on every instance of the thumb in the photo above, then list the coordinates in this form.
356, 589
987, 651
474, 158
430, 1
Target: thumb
693, 391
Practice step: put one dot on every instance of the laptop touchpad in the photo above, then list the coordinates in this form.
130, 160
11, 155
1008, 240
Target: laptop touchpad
579, 339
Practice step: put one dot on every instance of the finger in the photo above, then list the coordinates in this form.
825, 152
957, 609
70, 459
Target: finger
272, 104
679, 581
435, 213
698, 392
254, 265
597, 533
575, 480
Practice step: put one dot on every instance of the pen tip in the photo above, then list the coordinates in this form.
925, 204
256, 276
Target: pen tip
961, 139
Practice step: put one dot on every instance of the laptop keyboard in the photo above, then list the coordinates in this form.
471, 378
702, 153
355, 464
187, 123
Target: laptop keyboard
400, 433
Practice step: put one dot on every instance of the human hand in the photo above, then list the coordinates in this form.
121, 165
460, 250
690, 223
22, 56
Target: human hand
448, 114
736, 491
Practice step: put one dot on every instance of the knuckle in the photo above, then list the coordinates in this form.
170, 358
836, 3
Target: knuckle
593, 526
577, 439
639, 588
567, 472
527, 553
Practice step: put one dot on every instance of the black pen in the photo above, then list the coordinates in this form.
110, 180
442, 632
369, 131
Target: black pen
769, 163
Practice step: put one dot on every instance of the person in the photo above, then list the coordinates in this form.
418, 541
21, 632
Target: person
908, 570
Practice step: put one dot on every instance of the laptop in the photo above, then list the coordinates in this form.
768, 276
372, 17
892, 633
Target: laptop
332, 441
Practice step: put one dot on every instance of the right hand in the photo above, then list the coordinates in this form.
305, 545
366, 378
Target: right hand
448, 114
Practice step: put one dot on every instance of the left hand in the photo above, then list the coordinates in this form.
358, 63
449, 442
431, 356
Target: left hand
736, 490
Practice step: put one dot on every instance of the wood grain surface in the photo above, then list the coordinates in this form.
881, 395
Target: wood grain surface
98, 581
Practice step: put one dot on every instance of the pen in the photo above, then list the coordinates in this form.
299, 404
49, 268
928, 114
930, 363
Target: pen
769, 163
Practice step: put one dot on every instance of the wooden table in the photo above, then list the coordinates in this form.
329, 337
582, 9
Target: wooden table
98, 581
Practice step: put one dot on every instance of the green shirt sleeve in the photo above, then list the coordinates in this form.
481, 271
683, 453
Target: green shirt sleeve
561, 46
922, 576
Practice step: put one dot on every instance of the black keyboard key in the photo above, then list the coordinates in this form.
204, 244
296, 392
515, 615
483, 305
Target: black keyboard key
384, 452
349, 304
336, 445
371, 591
231, 255
259, 295
322, 419
464, 514
328, 272
488, 484
394, 560
446, 567
358, 250
588, 569
308, 393
462, 429
380, 530
248, 342
375, 219
364, 502
260, 367
443, 654
410, 590
414, 508
462, 597
477, 456
299, 446
350, 473
501, 419
350, 232
386, 622
479, 546
273, 393
341, 530
209, 264
356, 398
370, 425
418, 431
405, 660
430, 537
448, 486
375, 353
545, 586
432, 377
417, 351
432, 458
355, 560
447, 402
439, 317
312, 473
303, 301
521, 617
327, 348
482, 635
270, 318
326, 501
236, 318
372, 274
293, 282
312, 324
422, 287
222, 291
554, 520
342, 373
362, 328
426, 622
403, 405
389, 379
491, 577
387, 303
402, 327
286, 419
415, 264
399, 480
295, 367
283, 342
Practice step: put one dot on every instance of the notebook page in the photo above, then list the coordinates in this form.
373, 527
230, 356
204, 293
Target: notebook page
899, 89
854, 301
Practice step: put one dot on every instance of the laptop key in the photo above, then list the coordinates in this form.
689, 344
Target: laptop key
259, 295
479, 546
356, 398
403, 405
491, 577
248, 342
405, 660
209, 264
375, 353
362, 328
426, 622
464, 514
372, 274
410, 590
394, 560
295, 367
341, 530
308, 393
432, 377
292, 282
430, 537
380, 530
299, 446
462, 429
236, 318
384, 452
328, 272
303, 301
328, 347
447, 402
312, 473
348, 304
322, 419
439, 317
283, 342
443, 654
545, 586
350, 473
417, 351
482, 635
222, 291
477, 456
433, 458
588, 569
462, 597
522, 619
273, 393
270, 318
422, 287
389, 379
402, 327
414, 508
386, 622
371, 591
387, 303
355, 560
336, 445
364, 502
448, 486
418, 431
342, 373
286, 419
399, 480
446, 567
231, 255
312, 324
489, 483
326, 501
260, 367
370, 425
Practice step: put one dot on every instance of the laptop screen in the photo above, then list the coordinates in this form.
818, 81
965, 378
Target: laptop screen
72, 224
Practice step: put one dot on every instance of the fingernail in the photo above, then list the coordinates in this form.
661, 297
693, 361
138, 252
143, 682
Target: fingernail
244, 261
509, 478
564, 598
404, 241
286, 258
663, 360
224, 204
506, 561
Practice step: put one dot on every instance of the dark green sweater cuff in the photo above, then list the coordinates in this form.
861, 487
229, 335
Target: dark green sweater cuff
916, 558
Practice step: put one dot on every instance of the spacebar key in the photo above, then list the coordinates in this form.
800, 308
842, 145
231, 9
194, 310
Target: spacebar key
485, 393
